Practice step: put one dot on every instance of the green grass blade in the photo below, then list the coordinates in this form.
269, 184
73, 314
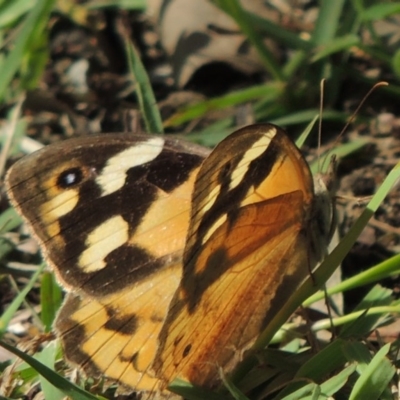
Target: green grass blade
307, 392
326, 389
50, 299
332, 385
189, 392
14, 10
305, 116
368, 313
136, 5
380, 11
356, 319
340, 151
32, 28
144, 91
234, 9
233, 390
68, 388
48, 357
381, 271
9, 220
269, 91
335, 46
357, 352
324, 362
306, 132
375, 377
276, 32
6, 247
16, 303
328, 21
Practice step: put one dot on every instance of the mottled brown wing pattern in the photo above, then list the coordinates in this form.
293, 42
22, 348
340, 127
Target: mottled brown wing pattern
111, 214
118, 335
253, 204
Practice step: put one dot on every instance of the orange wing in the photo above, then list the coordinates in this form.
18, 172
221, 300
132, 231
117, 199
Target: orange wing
117, 336
247, 250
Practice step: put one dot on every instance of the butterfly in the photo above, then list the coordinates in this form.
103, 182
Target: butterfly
174, 258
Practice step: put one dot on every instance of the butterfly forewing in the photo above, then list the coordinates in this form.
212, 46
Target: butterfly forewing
95, 207
111, 214
252, 205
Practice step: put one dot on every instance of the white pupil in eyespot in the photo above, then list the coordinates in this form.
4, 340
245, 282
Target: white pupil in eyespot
69, 179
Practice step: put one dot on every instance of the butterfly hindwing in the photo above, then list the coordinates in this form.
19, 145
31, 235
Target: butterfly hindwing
118, 335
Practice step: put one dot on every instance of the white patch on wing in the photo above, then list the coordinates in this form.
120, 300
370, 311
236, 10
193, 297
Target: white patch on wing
251, 154
104, 239
113, 175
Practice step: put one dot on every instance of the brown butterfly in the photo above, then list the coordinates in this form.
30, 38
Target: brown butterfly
174, 259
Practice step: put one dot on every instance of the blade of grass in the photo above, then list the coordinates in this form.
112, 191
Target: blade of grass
363, 321
9, 220
304, 135
189, 392
32, 27
14, 10
376, 309
335, 46
332, 385
16, 303
68, 388
233, 390
375, 378
304, 116
234, 9
50, 299
324, 362
269, 91
380, 11
48, 357
350, 318
328, 21
144, 91
274, 31
335, 258
327, 388
381, 271
135, 5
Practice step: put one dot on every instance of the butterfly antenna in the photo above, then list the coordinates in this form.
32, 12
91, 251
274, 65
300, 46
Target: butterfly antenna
353, 116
